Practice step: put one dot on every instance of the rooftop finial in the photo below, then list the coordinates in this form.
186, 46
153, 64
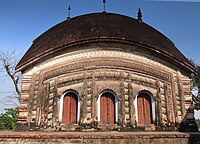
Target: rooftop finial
139, 15
104, 5
69, 10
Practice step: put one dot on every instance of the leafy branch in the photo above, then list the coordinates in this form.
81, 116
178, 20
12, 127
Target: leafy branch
195, 84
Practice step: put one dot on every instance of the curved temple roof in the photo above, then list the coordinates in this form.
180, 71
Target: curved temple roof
102, 26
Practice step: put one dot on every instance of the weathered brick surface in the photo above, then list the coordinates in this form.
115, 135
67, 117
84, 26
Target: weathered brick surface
106, 67
99, 138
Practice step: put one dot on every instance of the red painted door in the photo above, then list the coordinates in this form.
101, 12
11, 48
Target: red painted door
107, 109
70, 109
144, 109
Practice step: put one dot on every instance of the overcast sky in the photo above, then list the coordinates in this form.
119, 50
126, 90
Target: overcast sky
24, 20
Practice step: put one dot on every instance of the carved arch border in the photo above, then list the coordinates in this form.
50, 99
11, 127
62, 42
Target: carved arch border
153, 105
61, 104
116, 103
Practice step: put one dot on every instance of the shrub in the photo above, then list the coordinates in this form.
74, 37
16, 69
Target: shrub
8, 119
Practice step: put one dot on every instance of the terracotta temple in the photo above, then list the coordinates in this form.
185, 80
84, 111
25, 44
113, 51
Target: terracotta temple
105, 71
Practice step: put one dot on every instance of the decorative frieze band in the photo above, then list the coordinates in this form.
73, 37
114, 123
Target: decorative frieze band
96, 53
107, 63
103, 74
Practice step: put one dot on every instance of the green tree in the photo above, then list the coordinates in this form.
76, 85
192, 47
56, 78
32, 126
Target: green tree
8, 119
196, 86
198, 123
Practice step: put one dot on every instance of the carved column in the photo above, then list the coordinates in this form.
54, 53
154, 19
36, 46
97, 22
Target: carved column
33, 101
83, 111
166, 93
131, 104
51, 100
133, 108
39, 100
181, 95
43, 105
55, 114
46, 103
189, 108
30, 105
159, 119
87, 109
174, 98
24, 99
89, 102
93, 101
126, 102
122, 109
170, 104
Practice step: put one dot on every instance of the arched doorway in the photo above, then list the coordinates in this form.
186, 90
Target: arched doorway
70, 108
144, 109
107, 108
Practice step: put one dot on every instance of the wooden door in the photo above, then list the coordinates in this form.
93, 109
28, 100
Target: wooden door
107, 109
144, 109
70, 104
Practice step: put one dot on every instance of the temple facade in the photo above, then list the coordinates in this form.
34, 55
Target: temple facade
105, 71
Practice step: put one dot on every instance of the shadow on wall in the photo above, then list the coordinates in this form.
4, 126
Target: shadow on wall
189, 126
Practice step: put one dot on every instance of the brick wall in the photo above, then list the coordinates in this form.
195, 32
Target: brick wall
99, 137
